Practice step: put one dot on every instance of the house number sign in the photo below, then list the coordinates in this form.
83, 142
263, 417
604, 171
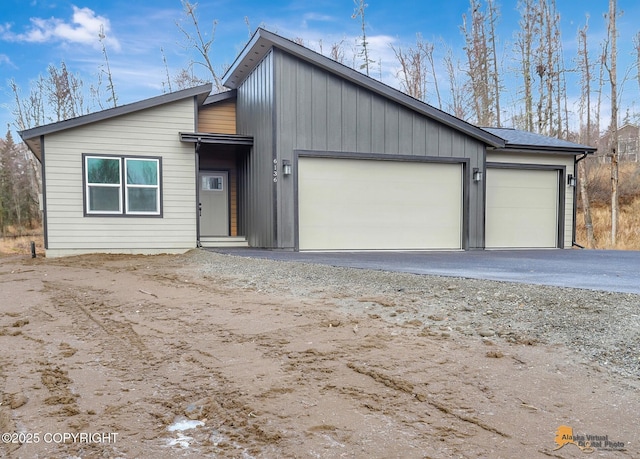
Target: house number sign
275, 171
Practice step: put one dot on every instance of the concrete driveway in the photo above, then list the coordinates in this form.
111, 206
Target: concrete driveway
608, 270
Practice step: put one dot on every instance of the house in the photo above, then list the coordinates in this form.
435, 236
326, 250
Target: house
302, 153
628, 143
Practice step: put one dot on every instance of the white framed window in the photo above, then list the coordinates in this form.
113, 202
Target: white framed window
119, 185
103, 178
142, 190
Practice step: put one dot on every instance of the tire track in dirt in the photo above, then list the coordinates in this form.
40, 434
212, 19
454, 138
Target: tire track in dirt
235, 421
92, 305
408, 388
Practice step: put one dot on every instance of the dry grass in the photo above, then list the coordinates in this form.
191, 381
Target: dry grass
599, 185
21, 244
599, 182
628, 226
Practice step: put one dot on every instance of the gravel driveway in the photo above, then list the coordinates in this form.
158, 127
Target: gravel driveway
606, 270
603, 326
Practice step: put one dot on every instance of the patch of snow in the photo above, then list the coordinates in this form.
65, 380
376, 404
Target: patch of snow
184, 424
181, 440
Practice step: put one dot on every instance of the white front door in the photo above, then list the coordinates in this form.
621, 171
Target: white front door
214, 203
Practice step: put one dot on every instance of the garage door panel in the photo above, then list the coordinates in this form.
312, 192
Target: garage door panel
366, 205
522, 208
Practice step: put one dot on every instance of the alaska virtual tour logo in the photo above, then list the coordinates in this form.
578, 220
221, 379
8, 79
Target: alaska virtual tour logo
586, 443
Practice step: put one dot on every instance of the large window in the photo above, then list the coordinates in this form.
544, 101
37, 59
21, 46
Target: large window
116, 185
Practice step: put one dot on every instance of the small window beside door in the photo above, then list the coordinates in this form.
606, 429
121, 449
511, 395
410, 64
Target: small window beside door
212, 183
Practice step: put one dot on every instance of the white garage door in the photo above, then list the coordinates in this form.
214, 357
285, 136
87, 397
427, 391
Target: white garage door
522, 208
349, 204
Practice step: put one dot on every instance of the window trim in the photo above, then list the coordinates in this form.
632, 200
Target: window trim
123, 186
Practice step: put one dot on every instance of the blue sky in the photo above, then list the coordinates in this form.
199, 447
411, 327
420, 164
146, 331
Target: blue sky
37, 33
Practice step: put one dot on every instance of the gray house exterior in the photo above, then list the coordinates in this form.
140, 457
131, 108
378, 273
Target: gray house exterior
302, 153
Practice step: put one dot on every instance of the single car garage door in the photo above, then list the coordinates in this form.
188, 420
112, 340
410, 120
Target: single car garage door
354, 204
522, 208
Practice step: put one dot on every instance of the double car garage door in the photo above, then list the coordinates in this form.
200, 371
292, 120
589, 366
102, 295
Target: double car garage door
354, 204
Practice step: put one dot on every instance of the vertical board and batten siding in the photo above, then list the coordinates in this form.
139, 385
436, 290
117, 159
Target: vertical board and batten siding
320, 111
546, 160
218, 118
150, 132
254, 111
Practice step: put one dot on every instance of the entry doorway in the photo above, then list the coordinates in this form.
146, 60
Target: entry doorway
214, 203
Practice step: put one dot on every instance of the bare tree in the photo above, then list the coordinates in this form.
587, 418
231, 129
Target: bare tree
197, 41
113, 98
412, 73
56, 97
166, 70
602, 58
611, 66
584, 66
480, 48
636, 45
457, 105
539, 46
359, 12
524, 45
416, 66
337, 51
429, 48
64, 93
185, 78
495, 73
30, 112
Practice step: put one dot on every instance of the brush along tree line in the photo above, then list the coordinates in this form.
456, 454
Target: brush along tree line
471, 86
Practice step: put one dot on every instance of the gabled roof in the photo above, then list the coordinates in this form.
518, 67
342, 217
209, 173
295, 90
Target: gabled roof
516, 139
263, 41
32, 136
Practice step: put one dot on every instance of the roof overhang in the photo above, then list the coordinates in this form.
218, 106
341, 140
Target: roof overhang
216, 139
263, 41
509, 148
32, 137
520, 141
221, 97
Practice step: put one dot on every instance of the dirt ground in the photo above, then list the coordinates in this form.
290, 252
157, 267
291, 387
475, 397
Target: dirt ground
147, 357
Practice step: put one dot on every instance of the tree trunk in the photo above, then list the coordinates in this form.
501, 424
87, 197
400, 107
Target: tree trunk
613, 12
524, 45
585, 67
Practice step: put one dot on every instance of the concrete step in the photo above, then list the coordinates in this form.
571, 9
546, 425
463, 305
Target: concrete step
223, 241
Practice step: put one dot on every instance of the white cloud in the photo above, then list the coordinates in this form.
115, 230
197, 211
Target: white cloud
83, 28
316, 17
5, 60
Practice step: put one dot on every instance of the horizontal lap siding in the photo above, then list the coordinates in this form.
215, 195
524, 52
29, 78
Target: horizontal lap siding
547, 160
151, 132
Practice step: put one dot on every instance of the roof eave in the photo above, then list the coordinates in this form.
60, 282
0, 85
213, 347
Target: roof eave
262, 41
221, 97
578, 150
200, 92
